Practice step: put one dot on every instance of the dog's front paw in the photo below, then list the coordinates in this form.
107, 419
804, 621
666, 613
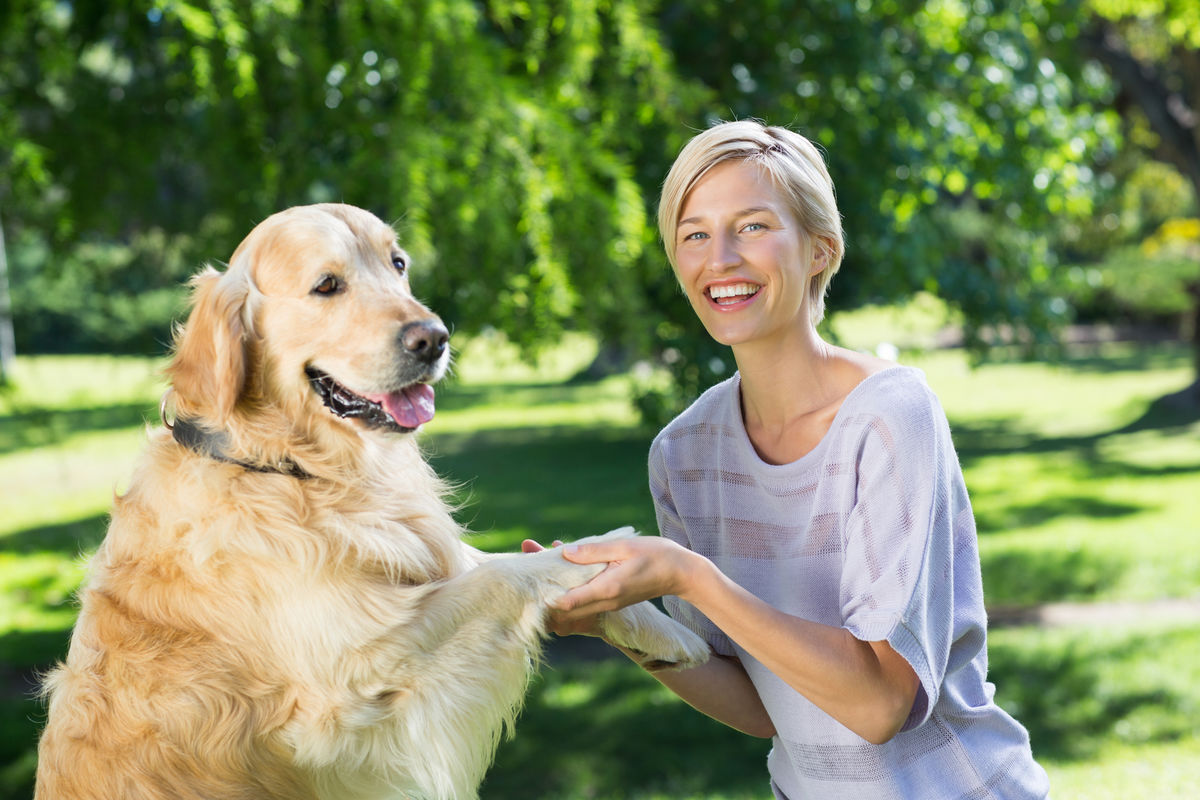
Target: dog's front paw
627, 532
566, 575
658, 641
553, 575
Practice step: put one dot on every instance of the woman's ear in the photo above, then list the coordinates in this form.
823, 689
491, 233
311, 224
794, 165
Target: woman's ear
208, 370
820, 255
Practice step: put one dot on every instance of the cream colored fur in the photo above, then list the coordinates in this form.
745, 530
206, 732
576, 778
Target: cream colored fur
248, 634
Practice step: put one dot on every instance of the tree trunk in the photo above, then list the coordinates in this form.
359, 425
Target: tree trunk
1169, 99
1193, 289
8, 345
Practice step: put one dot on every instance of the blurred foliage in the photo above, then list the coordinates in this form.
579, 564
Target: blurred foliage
1149, 282
1151, 51
956, 139
519, 147
504, 137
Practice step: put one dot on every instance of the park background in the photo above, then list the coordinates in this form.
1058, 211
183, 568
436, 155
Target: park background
1019, 183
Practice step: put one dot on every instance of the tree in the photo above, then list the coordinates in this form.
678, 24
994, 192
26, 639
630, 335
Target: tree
8, 347
1151, 48
520, 146
507, 139
954, 141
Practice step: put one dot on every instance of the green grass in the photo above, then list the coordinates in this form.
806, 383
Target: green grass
1081, 489
1112, 712
1084, 490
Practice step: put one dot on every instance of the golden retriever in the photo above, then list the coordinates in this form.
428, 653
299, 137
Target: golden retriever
283, 606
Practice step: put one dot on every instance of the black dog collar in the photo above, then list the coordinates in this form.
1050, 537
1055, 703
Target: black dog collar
213, 445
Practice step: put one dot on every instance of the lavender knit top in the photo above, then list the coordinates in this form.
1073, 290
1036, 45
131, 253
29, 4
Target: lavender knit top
871, 531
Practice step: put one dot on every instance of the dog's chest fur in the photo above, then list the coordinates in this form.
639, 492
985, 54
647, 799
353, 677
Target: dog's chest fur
204, 563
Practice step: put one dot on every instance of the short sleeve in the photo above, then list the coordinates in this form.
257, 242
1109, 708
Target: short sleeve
898, 571
671, 526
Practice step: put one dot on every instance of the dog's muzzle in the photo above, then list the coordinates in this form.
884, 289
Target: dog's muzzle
424, 353
426, 340
401, 411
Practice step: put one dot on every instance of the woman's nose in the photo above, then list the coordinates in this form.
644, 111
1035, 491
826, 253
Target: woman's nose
724, 252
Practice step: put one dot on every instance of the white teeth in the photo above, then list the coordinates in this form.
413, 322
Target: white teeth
732, 290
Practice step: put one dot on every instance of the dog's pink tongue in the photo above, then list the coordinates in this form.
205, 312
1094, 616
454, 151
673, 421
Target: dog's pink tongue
411, 407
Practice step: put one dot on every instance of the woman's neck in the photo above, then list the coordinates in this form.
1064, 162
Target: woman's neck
792, 389
785, 378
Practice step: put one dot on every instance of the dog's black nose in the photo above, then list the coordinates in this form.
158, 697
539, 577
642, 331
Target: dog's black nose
426, 339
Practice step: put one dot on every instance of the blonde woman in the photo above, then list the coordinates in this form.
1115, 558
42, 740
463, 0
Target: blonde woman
816, 529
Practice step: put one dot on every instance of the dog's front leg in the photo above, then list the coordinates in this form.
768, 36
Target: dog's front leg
653, 638
445, 675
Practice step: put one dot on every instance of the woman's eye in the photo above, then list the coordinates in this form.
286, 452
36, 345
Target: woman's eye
691, 237
327, 286
755, 226
400, 264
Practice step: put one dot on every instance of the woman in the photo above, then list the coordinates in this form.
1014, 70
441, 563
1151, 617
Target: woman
815, 526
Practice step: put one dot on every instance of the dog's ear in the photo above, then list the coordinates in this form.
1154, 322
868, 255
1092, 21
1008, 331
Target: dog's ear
208, 370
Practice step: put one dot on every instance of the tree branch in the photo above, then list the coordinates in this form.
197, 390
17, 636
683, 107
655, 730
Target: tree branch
1167, 110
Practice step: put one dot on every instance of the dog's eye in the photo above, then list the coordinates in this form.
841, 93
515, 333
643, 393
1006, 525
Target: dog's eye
328, 285
400, 264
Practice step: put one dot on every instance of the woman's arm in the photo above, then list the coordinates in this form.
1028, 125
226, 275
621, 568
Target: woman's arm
866, 686
719, 688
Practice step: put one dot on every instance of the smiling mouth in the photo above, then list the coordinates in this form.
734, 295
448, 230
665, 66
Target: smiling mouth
401, 411
732, 293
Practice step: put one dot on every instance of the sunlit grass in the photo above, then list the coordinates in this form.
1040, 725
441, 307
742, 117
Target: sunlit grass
1125, 772
1083, 490
505, 406
76, 476
489, 358
1113, 711
1078, 494
67, 382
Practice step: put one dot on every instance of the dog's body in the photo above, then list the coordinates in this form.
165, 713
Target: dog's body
283, 606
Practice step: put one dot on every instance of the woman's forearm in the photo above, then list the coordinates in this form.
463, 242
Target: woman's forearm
721, 689
864, 685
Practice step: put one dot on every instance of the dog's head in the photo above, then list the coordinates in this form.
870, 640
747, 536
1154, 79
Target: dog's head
315, 309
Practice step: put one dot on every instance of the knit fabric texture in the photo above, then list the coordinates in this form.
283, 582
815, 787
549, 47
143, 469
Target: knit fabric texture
871, 531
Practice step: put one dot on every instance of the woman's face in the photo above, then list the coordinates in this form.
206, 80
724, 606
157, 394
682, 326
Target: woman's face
742, 257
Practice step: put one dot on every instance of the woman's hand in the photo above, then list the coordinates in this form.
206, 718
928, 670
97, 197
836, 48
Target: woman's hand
558, 623
638, 569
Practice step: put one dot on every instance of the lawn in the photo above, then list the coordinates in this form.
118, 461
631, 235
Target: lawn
1084, 491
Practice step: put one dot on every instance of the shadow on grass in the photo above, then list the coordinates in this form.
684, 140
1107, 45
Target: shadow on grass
21, 719
548, 483
24, 655
608, 730
455, 397
40, 427
1173, 411
1047, 510
999, 437
1074, 694
72, 538
1028, 578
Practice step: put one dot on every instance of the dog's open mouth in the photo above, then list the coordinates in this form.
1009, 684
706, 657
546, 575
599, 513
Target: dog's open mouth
402, 411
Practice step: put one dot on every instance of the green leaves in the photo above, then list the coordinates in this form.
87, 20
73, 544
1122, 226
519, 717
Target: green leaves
512, 142
519, 145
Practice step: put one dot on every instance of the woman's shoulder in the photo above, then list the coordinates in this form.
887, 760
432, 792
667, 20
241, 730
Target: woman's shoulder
898, 398
897, 409
895, 389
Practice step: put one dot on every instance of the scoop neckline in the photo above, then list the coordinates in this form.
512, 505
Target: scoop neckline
813, 455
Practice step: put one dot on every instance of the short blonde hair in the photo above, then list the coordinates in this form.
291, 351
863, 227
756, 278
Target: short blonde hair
795, 167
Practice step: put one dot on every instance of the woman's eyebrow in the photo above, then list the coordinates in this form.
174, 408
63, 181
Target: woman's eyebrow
745, 212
